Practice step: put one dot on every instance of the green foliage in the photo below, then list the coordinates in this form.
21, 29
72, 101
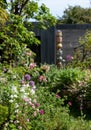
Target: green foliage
44, 17
76, 15
15, 39
70, 76
3, 114
82, 53
3, 17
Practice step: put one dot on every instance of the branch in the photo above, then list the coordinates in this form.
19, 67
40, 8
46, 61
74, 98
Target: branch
23, 5
12, 9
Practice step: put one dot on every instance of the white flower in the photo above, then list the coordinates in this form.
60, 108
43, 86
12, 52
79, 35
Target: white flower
23, 96
33, 91
16, 105
17, 110
11, 101
12, 96
15, 96
14, 89
27, 85
22, 89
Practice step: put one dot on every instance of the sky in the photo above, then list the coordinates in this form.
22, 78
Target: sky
57, 7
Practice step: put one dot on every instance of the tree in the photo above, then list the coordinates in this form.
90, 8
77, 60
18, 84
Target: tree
76, 15
15, 36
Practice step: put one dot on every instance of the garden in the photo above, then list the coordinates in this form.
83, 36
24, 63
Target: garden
40, 96
44, 98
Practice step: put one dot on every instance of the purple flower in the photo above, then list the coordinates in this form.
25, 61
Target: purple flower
32, 83
27, 77
69, 57
41, 111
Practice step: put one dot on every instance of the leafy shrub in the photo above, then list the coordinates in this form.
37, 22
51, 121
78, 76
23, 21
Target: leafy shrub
3, 114
82, 53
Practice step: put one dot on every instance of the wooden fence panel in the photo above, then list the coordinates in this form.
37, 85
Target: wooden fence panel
48, 46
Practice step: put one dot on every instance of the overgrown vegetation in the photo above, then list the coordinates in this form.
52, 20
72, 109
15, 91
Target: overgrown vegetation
41, 97
37, 98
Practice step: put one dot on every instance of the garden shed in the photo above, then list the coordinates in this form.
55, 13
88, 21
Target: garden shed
46, 52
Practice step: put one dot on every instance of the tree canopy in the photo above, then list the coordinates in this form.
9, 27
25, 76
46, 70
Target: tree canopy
15, 36
29, 9
76, 15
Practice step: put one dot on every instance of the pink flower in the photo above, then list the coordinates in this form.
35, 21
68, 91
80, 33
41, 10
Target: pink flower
57, 96
30, 103
32, 65
33, 106
26, 99
41, 111
42, 78
37, 104
22, 82
70, 103
35, 101
45, 68
27, 120
35, 113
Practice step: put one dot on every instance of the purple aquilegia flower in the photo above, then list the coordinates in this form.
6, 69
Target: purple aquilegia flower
32, 83
27, 77
41, 111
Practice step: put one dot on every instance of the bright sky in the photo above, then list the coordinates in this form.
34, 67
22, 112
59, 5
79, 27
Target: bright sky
58, 6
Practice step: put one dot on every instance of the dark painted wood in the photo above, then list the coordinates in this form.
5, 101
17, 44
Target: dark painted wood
73, 26
48, 46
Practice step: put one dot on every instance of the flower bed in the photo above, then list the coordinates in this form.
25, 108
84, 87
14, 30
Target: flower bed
35, 98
